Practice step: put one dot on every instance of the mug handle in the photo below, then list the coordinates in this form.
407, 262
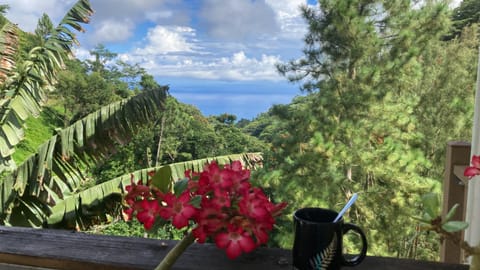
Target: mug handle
359, 258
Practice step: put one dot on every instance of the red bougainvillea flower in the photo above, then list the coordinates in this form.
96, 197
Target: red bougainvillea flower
148, 213
209, 220
473, 170
276, 209
178, 209
211, 178
255, 204
220, 201
240, 175
128, 213
134, 191
260, 230
235, 241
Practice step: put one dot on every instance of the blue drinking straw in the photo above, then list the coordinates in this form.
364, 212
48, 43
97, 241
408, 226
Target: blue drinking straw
345, 208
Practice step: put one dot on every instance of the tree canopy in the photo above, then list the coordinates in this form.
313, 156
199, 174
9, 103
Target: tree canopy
384, 91
383, 98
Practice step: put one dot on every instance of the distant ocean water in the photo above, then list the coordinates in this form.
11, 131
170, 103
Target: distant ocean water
243, 99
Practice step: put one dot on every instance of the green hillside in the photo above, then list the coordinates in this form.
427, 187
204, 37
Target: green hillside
387, 84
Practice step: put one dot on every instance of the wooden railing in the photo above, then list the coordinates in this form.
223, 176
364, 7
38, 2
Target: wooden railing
59, 249
455, 191
27, 248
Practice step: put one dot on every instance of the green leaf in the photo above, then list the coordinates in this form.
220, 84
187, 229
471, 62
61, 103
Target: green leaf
69, 202
426, 216
180, 186
162, 179
195, 201
431, 204
454, 226
157, 225
451, 213
424, 219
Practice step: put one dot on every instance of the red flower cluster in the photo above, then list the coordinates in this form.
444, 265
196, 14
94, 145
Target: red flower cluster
473, 170
220, 201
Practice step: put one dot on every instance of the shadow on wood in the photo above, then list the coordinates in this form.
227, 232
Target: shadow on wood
59, 249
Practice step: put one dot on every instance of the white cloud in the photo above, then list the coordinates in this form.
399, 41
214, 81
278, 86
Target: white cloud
286, 8
170, 12
131, 13
158, 15
26, 12
162, 40
112, 31
289, 17
250, 40
237, 67
120, 9
82, 54
237, 20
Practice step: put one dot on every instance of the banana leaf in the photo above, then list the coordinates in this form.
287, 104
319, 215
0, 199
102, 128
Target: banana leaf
56, 170
96, 194
23, 85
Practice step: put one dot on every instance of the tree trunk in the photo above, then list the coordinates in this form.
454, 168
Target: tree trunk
159, 146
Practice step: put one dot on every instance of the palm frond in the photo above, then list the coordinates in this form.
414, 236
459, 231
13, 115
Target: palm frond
70, 206
55, 171
24, 91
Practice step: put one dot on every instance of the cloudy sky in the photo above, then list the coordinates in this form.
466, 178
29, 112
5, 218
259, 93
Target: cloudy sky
218, 55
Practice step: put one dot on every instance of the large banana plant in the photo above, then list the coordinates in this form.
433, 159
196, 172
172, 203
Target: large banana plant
73, 207
23, 84
55, 172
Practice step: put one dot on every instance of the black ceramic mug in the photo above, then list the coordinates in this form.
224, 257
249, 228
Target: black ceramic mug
318, 240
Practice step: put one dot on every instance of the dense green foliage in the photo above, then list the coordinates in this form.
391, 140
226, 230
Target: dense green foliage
179, 133
25, 78
135, 229
386, 85
98, 136
384, 95
466, 14
38, 130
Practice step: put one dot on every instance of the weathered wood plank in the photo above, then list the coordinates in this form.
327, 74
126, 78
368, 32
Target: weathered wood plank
7, 266
59, 249
454, 191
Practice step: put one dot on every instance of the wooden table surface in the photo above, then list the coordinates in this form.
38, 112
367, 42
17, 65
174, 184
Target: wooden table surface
59, 249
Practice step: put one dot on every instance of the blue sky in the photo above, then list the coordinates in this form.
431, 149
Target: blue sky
218, 55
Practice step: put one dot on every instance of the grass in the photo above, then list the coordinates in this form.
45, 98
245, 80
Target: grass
135, 229
37, 131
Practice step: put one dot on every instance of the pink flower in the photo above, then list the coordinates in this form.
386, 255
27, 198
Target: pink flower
221, 199
228, 210
209, 221
211, 177
473, 170
178, 209
254, 205
128, 214
148, 213
241, 175
137, 190
235, 241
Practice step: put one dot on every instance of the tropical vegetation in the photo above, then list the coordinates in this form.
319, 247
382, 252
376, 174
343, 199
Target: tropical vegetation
386, 84
384, 94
